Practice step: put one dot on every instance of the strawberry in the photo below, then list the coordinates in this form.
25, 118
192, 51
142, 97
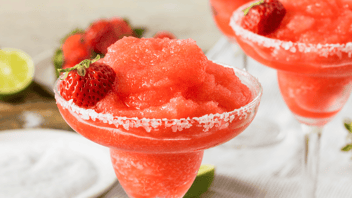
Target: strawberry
75, 49
87, 83
121, 27
102, 33
164, 34
263, 17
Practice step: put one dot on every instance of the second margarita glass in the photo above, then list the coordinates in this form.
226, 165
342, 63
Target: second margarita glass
315, 81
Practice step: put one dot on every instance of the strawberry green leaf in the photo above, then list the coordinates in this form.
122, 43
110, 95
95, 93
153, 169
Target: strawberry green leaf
58, 60
138, 32
79, 67
245, 11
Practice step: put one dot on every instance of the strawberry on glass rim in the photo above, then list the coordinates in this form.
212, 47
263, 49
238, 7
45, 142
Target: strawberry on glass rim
87, 83
312, 52
263, 17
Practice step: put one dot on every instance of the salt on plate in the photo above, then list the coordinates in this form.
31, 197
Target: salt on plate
42, 170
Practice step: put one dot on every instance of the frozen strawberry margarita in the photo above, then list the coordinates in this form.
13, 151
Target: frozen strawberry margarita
310, 48
157, 103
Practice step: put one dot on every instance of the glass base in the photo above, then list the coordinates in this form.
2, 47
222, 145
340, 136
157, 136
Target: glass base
261, 132
313, 121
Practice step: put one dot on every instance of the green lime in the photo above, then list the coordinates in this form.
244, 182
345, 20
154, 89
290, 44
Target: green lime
202, 182
16, 72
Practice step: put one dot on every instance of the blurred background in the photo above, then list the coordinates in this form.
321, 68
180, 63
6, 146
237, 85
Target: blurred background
37, 25
36, 28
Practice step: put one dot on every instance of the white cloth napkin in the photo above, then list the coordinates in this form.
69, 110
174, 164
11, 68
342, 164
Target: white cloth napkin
275, 170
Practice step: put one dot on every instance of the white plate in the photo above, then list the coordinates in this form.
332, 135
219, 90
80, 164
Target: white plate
98, 155
45, 70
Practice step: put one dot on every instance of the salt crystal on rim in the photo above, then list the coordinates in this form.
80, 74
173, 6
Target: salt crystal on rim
207, 121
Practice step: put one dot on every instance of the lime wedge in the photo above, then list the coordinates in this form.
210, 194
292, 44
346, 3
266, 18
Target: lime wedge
16, 72
202, 182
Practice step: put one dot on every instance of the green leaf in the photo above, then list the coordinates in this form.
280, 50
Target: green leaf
58, 60
80, 67
73, 32
346, 148
348, 126
245, 11
138, 32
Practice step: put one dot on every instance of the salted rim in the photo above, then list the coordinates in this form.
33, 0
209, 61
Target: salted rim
323, 50
208, 120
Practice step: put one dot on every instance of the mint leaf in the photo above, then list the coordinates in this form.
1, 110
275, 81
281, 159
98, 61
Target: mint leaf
346, 148
348, 126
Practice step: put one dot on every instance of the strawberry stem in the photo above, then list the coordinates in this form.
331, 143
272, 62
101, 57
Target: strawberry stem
245, 11
80, 67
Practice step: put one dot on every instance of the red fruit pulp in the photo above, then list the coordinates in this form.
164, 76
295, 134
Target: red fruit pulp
153, 171
316, 21
314, 97
154, 82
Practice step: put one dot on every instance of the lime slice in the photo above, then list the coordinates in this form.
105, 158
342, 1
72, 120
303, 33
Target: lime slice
202, 182
16, 72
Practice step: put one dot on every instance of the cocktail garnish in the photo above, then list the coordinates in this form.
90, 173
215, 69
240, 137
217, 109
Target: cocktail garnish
245, 11
79, 67
263, 17
87, 83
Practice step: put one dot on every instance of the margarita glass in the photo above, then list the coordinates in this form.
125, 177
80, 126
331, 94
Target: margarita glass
222, 11
159, 157
315, 81
270, 132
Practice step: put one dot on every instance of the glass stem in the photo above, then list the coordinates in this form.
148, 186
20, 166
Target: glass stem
244, 57
312, 138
